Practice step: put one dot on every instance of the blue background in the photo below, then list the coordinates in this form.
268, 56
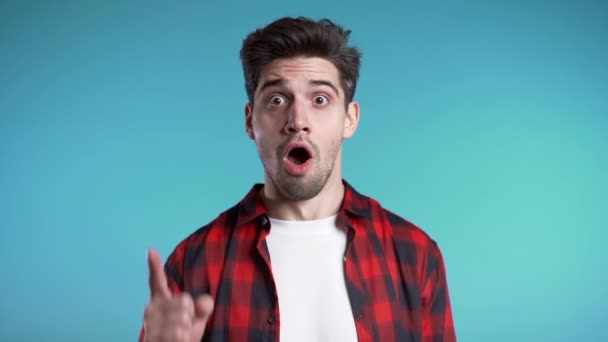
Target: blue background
486, 124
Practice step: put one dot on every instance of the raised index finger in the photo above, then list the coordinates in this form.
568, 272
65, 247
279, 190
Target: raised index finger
158, 279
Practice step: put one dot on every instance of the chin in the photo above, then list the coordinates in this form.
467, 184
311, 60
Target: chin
300, 188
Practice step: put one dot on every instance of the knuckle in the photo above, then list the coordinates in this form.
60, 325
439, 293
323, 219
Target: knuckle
149, 311
185, 318
170, 319
151, 333
185, 298
166, 323
175, 334
179, 318
185, 301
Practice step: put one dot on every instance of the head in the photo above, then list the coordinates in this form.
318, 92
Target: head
300, 77
300, 37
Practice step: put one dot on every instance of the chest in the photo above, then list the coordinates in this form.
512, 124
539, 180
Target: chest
260, 280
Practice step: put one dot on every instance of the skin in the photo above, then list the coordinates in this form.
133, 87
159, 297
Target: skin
170, 317
304, 102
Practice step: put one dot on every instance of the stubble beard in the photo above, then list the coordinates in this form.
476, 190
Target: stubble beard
301, 188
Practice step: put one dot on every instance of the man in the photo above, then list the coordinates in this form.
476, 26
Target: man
303, 257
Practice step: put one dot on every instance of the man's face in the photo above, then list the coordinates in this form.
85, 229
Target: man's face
298, 122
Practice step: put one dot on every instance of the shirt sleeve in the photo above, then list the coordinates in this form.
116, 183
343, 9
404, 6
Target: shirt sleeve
437, 321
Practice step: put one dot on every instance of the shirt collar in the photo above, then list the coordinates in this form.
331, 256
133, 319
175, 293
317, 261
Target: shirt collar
251, 207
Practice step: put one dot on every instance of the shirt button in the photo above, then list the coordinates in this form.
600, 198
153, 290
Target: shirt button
272, 319
264, 221
361, 315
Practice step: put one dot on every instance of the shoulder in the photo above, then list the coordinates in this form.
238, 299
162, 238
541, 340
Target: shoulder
385, 222
406, 230
413, 245
207, 244
210, 238
400, 228
217, 229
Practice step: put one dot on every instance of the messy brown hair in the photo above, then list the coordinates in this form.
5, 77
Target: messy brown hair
300, 37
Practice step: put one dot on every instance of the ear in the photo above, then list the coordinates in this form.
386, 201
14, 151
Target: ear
351, 121
248, 121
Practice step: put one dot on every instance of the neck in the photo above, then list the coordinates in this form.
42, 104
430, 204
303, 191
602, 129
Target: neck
326, 203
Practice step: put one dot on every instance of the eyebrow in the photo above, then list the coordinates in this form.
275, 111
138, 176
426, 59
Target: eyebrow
271, 83
325, 83
280, 81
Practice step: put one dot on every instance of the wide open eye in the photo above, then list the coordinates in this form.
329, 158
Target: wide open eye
321, 100
276, 100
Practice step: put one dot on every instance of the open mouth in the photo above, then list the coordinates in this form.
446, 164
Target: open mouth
298, 155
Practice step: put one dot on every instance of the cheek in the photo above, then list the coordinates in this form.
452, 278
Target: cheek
337, 134
333, 146
265, 148
264, 128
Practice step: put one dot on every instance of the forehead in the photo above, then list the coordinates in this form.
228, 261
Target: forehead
300, 69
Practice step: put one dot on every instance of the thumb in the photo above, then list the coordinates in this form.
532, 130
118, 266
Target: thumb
203, 308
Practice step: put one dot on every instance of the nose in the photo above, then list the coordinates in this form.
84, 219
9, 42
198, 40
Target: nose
297, 119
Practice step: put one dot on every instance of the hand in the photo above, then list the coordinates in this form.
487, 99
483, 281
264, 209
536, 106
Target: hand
171, 317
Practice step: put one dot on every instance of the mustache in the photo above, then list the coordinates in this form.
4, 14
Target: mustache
281, 147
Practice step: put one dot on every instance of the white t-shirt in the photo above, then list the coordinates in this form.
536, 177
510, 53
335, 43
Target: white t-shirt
308, 269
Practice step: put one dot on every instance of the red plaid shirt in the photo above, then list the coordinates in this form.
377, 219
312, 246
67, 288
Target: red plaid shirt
394, 272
